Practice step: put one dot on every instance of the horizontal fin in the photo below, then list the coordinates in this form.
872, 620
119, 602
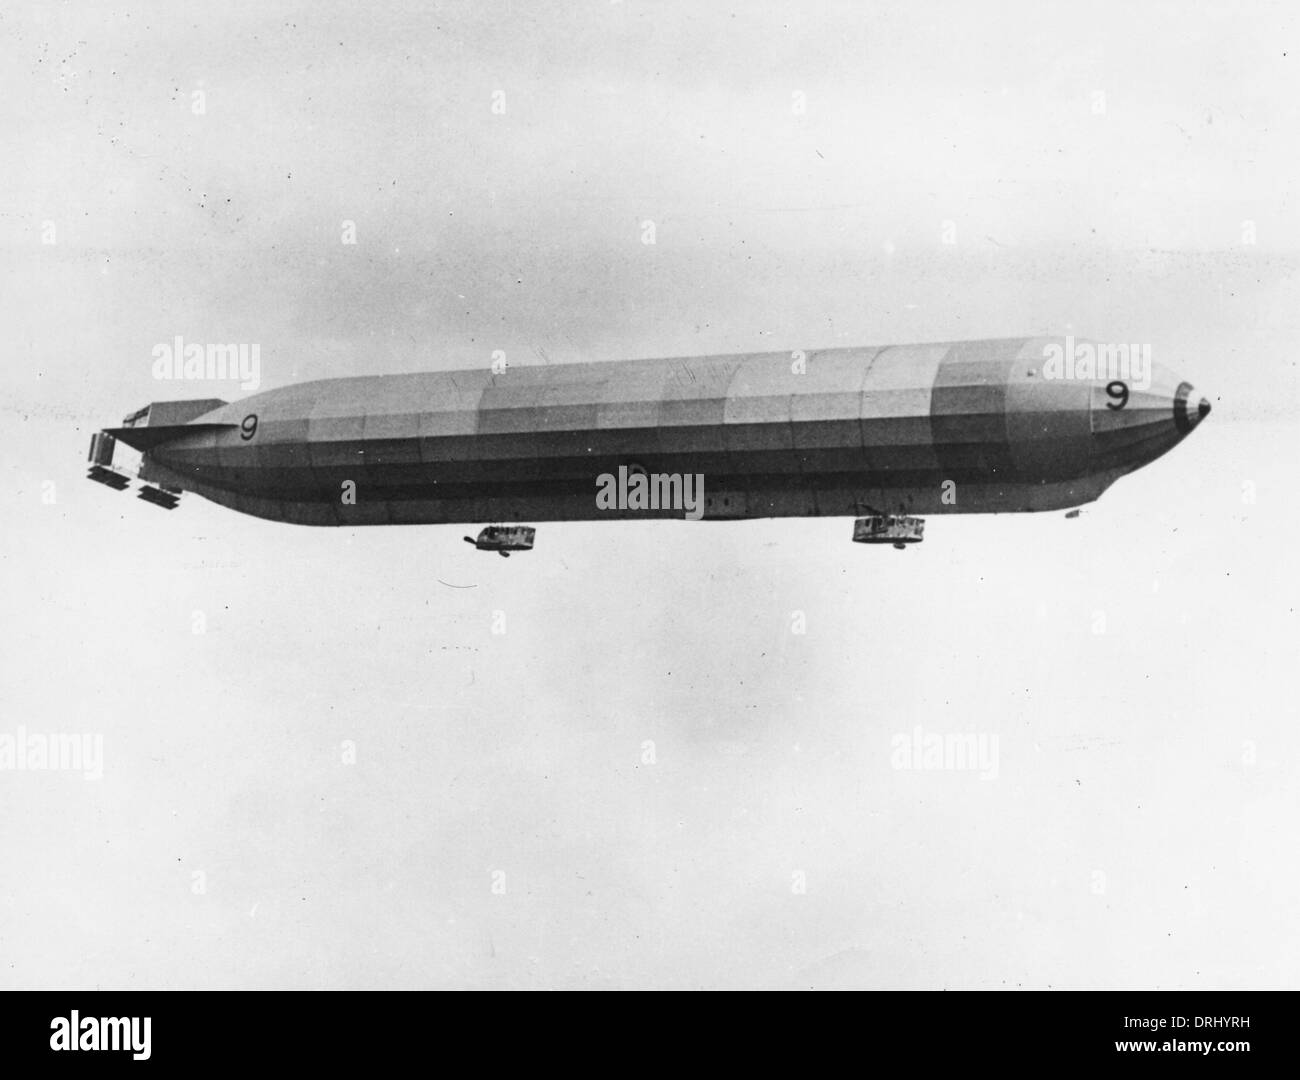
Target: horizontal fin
146, 438
111, 477
158, 497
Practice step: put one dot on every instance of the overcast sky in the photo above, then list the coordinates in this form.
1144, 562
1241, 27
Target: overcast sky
815, 175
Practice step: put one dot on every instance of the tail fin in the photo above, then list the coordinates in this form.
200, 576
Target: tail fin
146, 438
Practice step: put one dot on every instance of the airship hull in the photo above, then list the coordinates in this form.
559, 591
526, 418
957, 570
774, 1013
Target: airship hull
965, 427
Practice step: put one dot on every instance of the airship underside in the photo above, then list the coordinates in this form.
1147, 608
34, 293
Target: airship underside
964, 427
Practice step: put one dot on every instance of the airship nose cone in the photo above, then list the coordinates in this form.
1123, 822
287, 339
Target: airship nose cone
1186, 416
